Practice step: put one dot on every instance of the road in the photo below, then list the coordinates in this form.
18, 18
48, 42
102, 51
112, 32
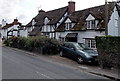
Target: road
20, 65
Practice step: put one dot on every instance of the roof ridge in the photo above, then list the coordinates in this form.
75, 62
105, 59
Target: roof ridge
56, 9
94, 7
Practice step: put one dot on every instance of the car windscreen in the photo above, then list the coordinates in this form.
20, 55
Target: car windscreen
84, 46
77, 46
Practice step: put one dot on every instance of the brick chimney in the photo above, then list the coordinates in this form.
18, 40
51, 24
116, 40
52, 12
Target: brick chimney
15, 21
71, 7
41, 11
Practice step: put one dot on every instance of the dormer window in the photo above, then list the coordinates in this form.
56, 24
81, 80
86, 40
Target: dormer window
68, 26
33, 22
91, 24
46, 20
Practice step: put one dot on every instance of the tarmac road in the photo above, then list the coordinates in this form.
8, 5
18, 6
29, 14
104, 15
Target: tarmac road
19, 65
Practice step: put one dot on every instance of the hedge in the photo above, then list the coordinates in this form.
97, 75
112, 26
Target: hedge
39, 44
108, 48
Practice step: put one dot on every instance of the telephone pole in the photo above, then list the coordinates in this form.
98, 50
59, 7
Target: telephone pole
106, 17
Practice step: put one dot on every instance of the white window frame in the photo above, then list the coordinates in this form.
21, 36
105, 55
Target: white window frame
68, 26
90, 24
90, 43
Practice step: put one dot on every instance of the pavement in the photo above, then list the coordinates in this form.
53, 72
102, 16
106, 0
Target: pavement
109, 73
112, 73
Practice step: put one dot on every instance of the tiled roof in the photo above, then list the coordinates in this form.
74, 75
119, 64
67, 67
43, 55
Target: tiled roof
10, 25
7, 26
53, 15
80, 17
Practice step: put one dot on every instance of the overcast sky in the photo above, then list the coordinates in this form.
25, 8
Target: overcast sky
25, 10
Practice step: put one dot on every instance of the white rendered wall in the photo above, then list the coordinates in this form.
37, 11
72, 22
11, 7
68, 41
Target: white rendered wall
23, 33
113, 25
81, 34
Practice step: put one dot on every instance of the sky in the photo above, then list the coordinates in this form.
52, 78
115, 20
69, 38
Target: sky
25, 10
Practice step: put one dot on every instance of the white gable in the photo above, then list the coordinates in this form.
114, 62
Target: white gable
113, 25
68, 20
46, 20
90, 17
33, 22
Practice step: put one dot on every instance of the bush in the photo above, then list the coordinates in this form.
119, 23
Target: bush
40, 44
108, 50
21, 42
7, 42
30, 44
12, 42
52, 45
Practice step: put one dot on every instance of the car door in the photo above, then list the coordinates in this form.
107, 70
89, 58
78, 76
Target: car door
65, 48
72, 51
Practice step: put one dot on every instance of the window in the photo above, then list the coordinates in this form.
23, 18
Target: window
46, 29
90, 43
51, 35
88, 24
42, 29
50, 28
46, 34
68, 26
91, 24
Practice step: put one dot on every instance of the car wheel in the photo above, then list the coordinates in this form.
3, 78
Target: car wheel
80, 60
61, 54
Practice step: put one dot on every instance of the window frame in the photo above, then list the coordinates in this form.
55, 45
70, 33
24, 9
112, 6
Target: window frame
68, 26
90, 43
91, 24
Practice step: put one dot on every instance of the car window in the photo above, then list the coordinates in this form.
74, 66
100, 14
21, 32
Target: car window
77, 46
84, 46
66, 45
71, 46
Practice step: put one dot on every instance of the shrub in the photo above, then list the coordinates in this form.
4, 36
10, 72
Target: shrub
29, 44
12, 42
21, 42
40, 44
7, 42
108, 50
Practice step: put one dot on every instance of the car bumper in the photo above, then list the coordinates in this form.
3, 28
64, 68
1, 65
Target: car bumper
91, 60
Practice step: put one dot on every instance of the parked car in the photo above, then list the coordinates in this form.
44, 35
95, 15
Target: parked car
79, 52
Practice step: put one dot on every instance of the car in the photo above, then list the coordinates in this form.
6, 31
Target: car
79, 52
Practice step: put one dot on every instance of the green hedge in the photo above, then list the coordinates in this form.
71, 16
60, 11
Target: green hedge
108, 48
39, 44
